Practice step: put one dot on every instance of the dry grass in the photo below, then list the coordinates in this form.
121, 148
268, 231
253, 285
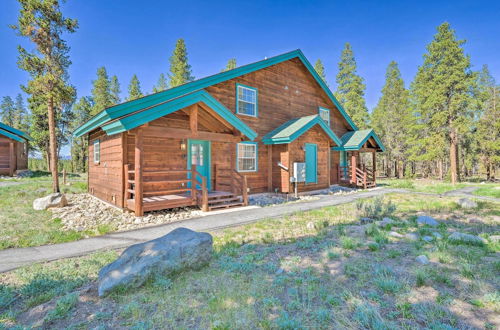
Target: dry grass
317, 269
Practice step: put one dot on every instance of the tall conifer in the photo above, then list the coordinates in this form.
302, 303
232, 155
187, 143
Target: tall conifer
101, 91
134, 89
320, 70
114, 87
161, 85
7, 111
351, 89
42, 22
442, 95
231, 64
180, 70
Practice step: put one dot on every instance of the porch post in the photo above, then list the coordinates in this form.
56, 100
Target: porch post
12, 159
138, 196
193, 120
329, 165
354, 165
270, 168
374, 161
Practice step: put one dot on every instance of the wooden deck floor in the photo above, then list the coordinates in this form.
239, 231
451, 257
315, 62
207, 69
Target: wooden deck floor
162, 202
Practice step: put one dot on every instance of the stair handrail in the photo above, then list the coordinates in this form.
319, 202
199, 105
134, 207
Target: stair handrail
242, 180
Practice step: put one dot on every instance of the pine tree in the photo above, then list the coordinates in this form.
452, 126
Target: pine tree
442, 95
180, 70
161, 85
488, 128
320, 70
101, 91
392, 115
231, 64
21, 114
42, 22
134, 89
351, 89
7, 111
82, 111
114, 87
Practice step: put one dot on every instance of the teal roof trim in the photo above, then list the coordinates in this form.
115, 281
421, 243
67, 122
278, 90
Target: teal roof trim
294, 128
141, 117
123, 109
355, 140
15, 131
12, 136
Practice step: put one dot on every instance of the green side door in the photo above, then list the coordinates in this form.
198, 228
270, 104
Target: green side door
311, 163
199, 155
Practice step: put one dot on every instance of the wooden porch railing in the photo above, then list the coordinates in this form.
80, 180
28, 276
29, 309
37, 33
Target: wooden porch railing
363, 177
231, 179
134, 188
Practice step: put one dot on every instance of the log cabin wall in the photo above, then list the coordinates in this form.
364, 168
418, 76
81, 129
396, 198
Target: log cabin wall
5, 155
335, 162
21, 156
106, 177
297, 154
285, 91
10, 163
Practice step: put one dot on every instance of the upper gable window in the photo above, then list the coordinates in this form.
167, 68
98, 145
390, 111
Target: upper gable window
325, 115
246, 100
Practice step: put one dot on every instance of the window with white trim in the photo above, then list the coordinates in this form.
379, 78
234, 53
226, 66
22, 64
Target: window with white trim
246, 157
325, 115
246, 100
97, 152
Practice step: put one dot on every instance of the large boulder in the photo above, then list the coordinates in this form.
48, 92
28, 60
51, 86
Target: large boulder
52, 200
466, 203
179, 250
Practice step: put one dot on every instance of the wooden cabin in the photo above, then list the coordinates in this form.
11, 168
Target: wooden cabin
13, 150
269, 126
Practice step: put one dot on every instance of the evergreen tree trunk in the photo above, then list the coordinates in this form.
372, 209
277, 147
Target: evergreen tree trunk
53, 145
440, 169
455, 174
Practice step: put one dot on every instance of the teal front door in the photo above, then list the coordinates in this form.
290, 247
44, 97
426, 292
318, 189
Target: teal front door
311, 163
199, 155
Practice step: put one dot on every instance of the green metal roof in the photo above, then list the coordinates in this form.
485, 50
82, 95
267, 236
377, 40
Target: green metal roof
354, 140
122, 109
15, 131
294, 128
136, 119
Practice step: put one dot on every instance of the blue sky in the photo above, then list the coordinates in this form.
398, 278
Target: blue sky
130, 36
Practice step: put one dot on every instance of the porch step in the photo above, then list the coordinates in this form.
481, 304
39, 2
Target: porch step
225, 206
223, 200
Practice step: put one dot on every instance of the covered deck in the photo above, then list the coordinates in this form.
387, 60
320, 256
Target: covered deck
353, 168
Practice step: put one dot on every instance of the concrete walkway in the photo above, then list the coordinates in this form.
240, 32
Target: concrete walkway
15, 258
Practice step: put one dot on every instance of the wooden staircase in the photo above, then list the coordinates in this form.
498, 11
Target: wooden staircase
363, 177
223, 200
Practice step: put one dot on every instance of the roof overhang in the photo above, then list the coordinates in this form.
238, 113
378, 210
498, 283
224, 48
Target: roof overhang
294, 128
125, 108
25, 137
355, 140
11, 136
156, 111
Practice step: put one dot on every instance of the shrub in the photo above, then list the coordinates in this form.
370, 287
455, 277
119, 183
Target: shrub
375, 208
63, 307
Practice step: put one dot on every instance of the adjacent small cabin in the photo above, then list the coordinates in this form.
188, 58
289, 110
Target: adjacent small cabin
13, 150
269, 126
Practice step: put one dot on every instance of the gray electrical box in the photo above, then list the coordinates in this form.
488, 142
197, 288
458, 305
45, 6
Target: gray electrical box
299, 172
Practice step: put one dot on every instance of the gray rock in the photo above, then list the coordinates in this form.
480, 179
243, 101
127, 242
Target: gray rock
428, 238
395, 234
179, 250
467, 203
385, 222
412, 236
426, 220
366, 220
52, 200
495, 238
458, 238
310, 225
437, 235
422, 259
